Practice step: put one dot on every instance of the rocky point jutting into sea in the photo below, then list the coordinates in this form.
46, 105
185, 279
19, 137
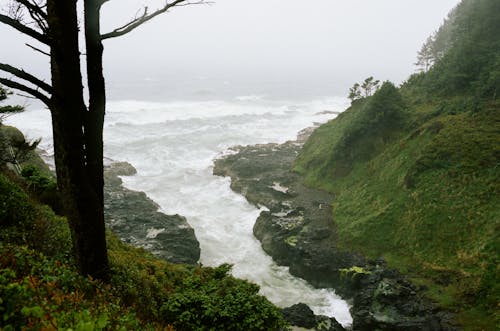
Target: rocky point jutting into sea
297, 230
136, 219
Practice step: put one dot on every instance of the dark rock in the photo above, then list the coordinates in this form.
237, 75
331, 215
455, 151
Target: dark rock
324, 323
135, 218
300, 315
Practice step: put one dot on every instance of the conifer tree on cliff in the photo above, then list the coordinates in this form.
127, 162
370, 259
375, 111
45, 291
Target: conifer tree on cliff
77, 125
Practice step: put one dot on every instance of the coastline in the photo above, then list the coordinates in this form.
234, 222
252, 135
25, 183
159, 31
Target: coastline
298, 231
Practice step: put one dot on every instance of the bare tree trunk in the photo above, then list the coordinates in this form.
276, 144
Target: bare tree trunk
97, 92
82, 202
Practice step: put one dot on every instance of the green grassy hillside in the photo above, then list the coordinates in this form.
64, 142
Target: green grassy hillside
416, 172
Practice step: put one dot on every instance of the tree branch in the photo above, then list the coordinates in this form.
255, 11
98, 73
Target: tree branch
33, 7
19, 73
24, 29
37, 49
138, 21
18, 86
36, 12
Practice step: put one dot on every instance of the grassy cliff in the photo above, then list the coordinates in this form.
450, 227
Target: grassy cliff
416, 170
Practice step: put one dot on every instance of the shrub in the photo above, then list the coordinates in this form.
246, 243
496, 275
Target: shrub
42, 186
220, 302
14, 204
188, 297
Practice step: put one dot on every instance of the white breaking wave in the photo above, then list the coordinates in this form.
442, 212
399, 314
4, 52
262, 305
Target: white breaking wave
173, 145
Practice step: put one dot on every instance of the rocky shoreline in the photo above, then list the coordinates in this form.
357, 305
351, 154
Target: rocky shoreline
136, 220
298, 231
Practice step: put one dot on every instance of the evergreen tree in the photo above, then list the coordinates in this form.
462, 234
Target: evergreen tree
355, 92
12, 149
465, 50
369, 86
426, 55
6, 111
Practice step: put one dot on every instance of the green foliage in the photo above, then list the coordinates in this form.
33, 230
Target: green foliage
14, 205
437, 44
188, 297
37, 181
369, 86
426, 57
355, 92
219, 302
11, 109
469, 64
40, 293
360, 133
3, 93
6, 111
14, 149
42, 186
27, 223
354, 271
40, 288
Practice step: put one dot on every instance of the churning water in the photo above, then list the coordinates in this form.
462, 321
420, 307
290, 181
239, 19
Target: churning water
173, 144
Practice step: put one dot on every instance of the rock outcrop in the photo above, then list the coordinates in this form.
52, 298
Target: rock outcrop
301, 316
135, 218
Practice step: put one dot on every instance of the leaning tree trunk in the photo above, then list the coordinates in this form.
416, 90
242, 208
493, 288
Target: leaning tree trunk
83, 203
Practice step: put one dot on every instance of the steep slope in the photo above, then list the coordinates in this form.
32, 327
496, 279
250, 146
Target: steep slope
416, 170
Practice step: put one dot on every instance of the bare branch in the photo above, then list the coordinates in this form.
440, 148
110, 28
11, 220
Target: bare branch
37, 49
15, 11
26, 96
16, 24
138, 21
40, 21
19, 73
21, 87
33, 7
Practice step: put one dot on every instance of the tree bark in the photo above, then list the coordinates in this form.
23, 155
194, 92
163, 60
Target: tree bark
75, 147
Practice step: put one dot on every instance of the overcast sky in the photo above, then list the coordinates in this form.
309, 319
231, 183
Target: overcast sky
315, 43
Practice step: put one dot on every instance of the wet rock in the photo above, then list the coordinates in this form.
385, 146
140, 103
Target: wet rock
297, 231
384, 300
300, 315
135, 218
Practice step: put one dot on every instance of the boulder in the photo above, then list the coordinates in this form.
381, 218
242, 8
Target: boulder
300, 315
